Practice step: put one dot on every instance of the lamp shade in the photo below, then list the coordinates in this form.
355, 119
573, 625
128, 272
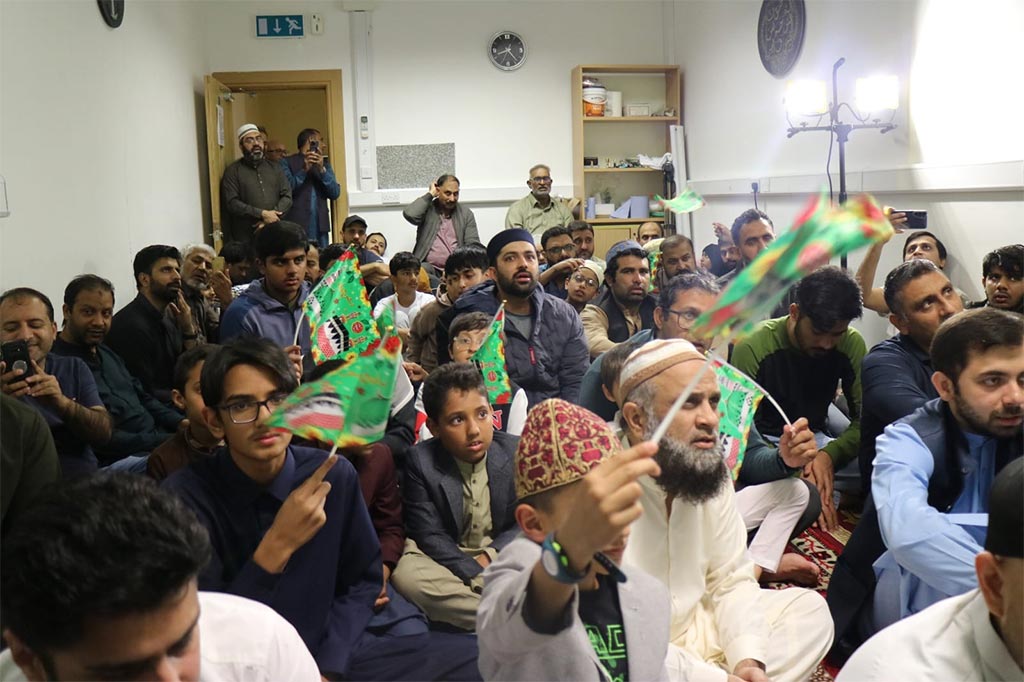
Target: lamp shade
877, 93
806, 97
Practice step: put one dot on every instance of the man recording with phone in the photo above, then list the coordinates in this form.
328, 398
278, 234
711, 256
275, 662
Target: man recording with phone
919, 244
312, 181
62, 389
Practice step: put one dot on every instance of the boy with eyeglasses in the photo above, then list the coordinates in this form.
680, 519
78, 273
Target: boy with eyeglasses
289, 528
468, 333
582, 286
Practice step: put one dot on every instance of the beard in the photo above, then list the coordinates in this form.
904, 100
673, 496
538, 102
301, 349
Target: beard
165, 292
692, 474
511, 287
253, 156
978, 423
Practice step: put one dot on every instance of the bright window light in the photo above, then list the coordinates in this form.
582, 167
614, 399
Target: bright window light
806, 97
877, 93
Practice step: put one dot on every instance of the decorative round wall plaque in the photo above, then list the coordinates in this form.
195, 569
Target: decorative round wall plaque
780, 34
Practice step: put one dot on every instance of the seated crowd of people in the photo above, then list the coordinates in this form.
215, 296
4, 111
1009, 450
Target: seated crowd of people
154, 526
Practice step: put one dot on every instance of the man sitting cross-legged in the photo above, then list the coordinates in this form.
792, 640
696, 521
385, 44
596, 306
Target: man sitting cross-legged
549, 610
289, 528
99, 583
691, 536
457, 497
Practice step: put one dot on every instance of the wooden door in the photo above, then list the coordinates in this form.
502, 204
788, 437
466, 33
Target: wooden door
219, 151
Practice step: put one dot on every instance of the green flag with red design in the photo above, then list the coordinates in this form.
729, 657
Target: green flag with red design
736, 408
349, 406
821, 231
339, 312
490, 358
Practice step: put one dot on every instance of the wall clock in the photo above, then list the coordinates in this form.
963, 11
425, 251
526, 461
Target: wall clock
507, 50
112, 11
780, 34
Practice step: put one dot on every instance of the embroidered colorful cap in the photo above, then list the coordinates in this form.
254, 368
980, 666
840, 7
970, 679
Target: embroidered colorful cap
560, 443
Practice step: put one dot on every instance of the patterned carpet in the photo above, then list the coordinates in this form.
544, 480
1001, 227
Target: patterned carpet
822, 548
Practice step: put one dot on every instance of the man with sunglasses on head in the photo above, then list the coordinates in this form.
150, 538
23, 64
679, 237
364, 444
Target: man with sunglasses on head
537, 211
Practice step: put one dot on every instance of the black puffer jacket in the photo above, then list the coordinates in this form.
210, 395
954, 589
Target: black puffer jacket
551, 363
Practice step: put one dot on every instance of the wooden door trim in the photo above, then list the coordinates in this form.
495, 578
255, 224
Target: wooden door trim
330, 81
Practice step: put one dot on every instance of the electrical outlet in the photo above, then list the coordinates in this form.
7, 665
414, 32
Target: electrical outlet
390, 198
316, 24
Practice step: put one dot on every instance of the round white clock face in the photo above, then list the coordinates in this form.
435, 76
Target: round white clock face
507, 50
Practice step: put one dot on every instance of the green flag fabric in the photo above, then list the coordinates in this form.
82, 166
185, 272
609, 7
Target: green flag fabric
819, 233
339, 312
349, 406
490, 358
740, 398
686, 202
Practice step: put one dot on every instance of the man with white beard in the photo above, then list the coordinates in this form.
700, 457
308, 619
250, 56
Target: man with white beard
692, 537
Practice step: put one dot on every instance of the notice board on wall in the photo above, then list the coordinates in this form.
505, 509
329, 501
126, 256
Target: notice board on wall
408, 166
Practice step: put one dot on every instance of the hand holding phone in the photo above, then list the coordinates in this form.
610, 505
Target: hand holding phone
916, 220
15, 356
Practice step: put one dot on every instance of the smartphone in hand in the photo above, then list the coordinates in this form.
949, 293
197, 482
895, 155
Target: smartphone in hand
15, 356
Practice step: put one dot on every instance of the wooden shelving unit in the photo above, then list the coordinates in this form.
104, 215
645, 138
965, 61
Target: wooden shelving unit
660, 87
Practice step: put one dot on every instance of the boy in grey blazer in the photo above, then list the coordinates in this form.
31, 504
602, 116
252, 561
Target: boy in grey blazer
554, 606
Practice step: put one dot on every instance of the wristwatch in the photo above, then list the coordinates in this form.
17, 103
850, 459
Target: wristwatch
556, 562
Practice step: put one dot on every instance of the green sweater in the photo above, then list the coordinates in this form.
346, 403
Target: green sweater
803, 385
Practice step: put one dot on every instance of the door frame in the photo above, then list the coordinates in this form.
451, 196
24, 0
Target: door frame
328, 80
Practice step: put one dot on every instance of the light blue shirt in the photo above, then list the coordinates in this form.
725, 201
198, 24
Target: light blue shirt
930, 553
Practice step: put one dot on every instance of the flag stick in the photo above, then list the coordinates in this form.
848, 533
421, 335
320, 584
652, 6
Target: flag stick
334, 449
298, 328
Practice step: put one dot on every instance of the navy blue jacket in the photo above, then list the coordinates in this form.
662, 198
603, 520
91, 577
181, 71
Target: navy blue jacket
895, 379
551, 363
432, 501
329, 587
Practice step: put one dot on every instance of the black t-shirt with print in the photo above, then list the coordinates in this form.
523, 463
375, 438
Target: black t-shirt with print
602, 618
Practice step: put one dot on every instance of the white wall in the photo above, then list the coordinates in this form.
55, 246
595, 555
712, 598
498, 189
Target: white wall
957, 153
99, 139
432, 83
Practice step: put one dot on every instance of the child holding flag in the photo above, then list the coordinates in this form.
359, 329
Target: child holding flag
550, 609
474, 334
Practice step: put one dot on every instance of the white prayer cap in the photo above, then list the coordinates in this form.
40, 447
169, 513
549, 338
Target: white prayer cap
246, 128
652, 359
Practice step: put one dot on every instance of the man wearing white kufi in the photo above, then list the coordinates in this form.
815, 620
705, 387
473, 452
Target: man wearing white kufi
692, 537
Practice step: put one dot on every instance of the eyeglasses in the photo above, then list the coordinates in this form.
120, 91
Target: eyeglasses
689, 315
580, 279
555, 250
541, 179
248, 411
463, 342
